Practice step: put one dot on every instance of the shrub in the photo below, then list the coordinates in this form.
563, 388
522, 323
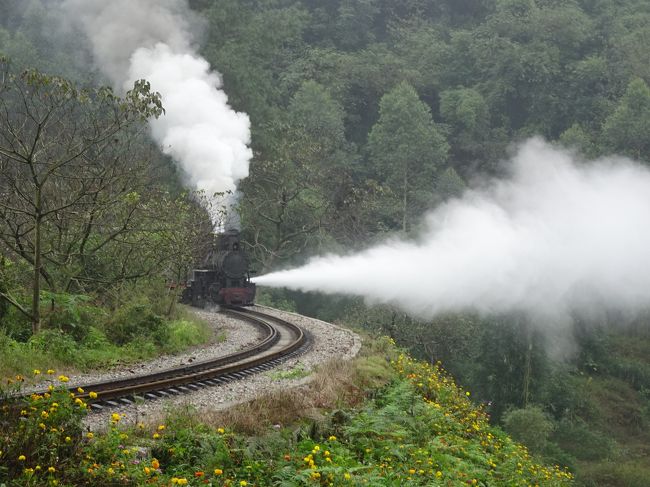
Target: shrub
583, 442
135, 320
531, 426
70, 313
56, 343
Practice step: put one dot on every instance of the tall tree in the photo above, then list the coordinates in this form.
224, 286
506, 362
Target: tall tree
407, 148
627, 130
61, 159
292, 187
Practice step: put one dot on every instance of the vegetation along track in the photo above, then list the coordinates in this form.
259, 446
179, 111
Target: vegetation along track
282, 340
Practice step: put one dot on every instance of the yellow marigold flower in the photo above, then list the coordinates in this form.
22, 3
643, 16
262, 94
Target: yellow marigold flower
147, 470
243, 483
92, 395
90, 435
438, 474
347, 476
22, 458
156, 436
44, 414
50, 388
218, 471
221, 431
51, 469
411, 471
41, 425
155, 464
110, 471
68, 439
63, 378
37, 467
36, 372
28, 471
332, 438
50, 371
161, 427
115, 417
80, 390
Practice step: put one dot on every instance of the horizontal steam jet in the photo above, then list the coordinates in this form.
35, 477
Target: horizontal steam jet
556, 236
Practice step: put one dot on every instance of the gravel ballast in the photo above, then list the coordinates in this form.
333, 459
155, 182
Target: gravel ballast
328, 342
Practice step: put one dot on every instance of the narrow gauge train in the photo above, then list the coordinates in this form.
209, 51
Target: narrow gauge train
224, 278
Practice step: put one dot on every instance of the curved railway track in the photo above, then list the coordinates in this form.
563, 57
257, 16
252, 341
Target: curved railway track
282, 340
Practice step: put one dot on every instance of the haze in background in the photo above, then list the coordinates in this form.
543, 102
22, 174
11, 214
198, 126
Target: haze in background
556, 236
153, 40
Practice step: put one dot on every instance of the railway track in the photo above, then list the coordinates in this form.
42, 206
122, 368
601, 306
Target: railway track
281, 340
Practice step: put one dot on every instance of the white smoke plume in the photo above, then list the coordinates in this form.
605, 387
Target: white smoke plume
556, 236
153, 40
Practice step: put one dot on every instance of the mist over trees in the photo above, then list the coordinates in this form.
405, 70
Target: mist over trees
364, 114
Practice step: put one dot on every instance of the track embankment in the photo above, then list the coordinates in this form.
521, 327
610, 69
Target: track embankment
326, 342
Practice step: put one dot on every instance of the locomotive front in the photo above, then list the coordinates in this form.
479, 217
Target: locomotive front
224, 278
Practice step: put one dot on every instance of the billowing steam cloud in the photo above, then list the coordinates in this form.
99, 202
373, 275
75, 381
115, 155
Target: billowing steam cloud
555, 236
152, 40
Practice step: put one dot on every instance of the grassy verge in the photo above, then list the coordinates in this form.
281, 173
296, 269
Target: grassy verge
381, 420
78, 334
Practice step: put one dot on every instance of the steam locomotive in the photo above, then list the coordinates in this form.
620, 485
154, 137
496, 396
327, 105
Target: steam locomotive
224, 278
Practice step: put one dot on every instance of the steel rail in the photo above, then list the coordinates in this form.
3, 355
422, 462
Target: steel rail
272, 350
271, 337
277, 346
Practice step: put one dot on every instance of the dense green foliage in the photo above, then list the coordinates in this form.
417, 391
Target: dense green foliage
421, 429
88, 231
364, 114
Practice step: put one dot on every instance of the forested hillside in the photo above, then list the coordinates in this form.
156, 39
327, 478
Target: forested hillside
364, 114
